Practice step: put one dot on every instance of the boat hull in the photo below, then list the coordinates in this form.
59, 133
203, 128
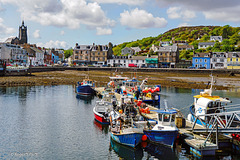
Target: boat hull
85, 90
131, 139
100, 118
163, 137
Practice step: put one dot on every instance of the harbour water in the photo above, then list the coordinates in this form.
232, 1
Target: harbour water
51, 122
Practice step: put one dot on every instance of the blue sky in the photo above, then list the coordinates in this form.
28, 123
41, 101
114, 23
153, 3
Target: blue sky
63, 23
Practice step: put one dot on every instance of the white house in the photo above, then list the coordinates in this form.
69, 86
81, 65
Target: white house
204, 45
13, 53
218, 60
136, 49
127, 61
216, 38
39, 54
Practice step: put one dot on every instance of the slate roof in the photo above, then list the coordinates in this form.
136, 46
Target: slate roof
83, 47
172, 48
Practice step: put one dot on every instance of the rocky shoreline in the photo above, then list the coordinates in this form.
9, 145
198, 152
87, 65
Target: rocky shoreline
71, 77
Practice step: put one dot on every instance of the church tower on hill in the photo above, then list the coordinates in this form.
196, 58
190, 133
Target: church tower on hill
22, 34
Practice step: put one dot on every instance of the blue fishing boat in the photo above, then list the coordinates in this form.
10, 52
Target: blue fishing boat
86, 87
129, 137
165, 131
126, 152
123, 131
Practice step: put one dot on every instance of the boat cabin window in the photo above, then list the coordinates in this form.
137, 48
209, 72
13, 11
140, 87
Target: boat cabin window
160, 117
166, 118
173, 118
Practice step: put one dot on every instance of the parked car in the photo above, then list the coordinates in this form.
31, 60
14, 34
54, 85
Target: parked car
202, 67
191, 67
152, 66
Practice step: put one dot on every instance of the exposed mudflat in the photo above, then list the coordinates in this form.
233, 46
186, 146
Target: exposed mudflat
182, 80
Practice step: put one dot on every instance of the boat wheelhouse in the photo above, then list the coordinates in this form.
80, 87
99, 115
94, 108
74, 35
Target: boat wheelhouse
165, 131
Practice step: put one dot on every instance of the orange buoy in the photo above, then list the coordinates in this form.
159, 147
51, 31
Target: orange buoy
120, 111
144, 138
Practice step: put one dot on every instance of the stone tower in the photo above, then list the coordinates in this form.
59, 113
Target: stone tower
22, 34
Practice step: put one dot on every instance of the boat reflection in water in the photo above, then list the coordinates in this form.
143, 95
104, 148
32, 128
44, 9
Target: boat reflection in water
160, 151
126, 152
104, 128
86, 98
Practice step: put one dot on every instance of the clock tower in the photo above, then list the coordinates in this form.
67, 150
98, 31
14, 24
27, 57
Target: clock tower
22, 34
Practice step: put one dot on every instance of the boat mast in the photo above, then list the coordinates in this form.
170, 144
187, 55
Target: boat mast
211, 85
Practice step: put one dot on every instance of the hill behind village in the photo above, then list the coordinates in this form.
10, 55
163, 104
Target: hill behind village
192, 35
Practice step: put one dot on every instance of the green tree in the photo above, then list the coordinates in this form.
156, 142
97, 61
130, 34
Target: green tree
68, 53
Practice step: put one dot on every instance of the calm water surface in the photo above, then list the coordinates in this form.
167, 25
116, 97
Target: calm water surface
50, 122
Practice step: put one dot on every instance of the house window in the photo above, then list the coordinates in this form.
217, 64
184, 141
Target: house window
231, 59
142, 61
118, 61
103, 53
131, 60
93, 54
124, 61
205, 60
237, 59
200, 60
221, 60
137, 61
205, 65
113, 61
98, 53
196, 66
196, 60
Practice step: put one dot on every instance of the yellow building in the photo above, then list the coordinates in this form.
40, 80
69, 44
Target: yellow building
233, 60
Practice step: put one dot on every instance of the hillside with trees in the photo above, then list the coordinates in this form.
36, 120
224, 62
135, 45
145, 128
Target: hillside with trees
193, 35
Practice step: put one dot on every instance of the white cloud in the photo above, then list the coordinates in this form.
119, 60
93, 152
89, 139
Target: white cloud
104, 31
36, 34
230, 14
221, 10
141, 19
54, 44
120, 2
4, 30
178, 12
62, 33
63, 13
183, 25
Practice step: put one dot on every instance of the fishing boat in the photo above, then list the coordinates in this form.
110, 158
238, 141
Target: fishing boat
126, 135
86, 87
103, 107
123, 129
206, 103
164, 131
126, 152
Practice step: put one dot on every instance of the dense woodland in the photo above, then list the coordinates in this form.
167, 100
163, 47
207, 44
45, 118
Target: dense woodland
193, 35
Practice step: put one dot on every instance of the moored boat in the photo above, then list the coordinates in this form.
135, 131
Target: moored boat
165, 131
205, 104
103, 108
86, 87
123, 129
101, 112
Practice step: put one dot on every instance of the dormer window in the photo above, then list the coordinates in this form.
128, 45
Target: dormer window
206, 55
